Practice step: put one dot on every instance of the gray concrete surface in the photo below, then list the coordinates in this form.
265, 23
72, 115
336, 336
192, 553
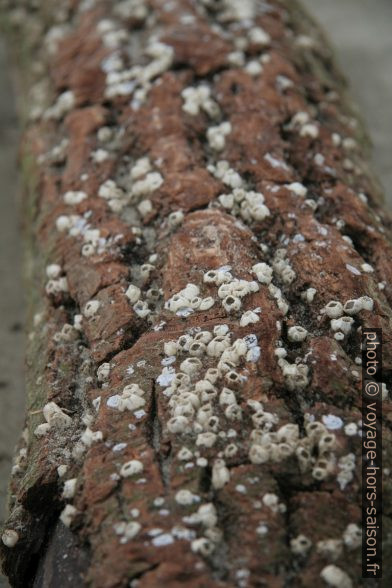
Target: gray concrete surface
361, 31
11, 296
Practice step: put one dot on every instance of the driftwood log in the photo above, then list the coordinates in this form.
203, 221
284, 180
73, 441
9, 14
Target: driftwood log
198, 212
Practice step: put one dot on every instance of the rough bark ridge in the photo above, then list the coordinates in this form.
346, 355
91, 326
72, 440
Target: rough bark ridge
184, 430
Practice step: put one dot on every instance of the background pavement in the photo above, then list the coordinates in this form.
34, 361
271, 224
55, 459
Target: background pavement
361, 31
11, 296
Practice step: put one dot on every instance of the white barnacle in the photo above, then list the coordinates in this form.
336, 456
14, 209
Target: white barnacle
353, 306
10, 538
89, 437
103, 372
309, 294
259, 36
146, 269
88, 249
229, 176
234, 378
367, 268
170, 348
258, 454
55, 416
271, 501
186, 497
204, 413
240, 346
280, 352
131, 529
178, 424
297, 334
336, 577
330, 548
199, 98
221, 330
191, 365
263, 272
298, 189
207, 439
185, 454
253, 68
141, 309
367, 303
146, 186
110, 191
220, 474
203, 546
351, 429
206, 303
184, 342
195, 302
231, 303
131, 402
69, 488
342, 325
326, 444
141, 167
248, 318
197, 349
233, 412
68, 514
53, 271
64, 103
253, 355
283, 268
321, 469
226, 200
211, 375
42, 430
236, 58
91, 308
190, 291
133, 293
309, 130
74, 197
175, 218
206, 515
227, 396
145, 207
131, 468
132, 389
216, 136
352, 536
217, 345
62, 470
288, 433
300, 545
231, 450
57, 286
153, 294
63, 223
210, 277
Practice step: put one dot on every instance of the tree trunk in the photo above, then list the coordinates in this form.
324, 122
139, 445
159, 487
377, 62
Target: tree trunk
196, 194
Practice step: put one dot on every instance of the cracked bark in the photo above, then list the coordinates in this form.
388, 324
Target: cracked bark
260, 110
